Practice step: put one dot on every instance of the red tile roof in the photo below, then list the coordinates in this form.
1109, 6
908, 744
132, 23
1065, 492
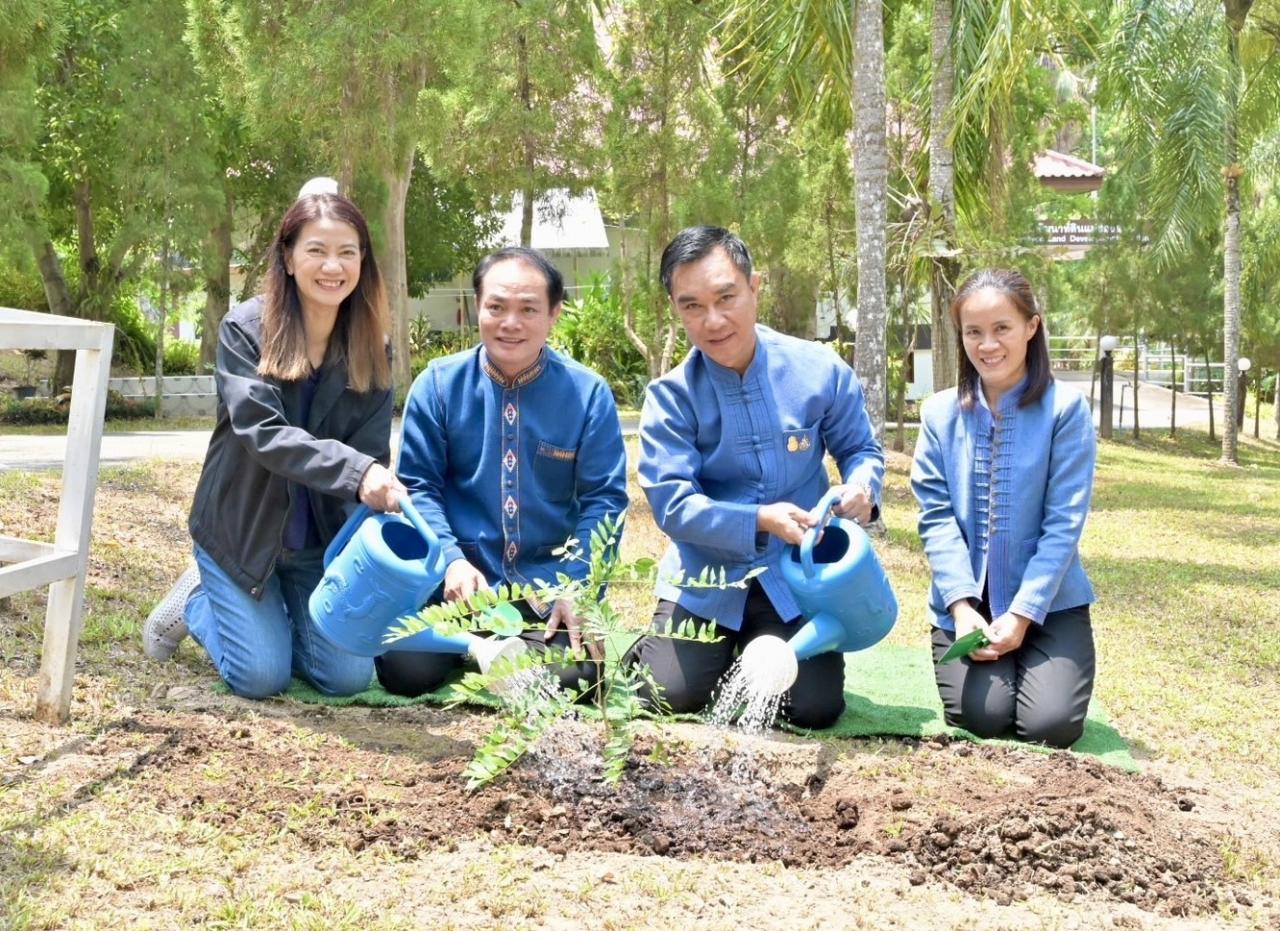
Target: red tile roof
1051, 164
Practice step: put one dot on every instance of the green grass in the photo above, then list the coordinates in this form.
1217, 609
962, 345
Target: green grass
140, 425
1184, 554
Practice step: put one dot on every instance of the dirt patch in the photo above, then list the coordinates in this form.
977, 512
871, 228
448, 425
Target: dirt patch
1003, 824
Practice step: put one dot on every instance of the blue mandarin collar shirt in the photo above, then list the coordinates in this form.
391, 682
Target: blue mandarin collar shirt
715, 446
1003, 499
506, 470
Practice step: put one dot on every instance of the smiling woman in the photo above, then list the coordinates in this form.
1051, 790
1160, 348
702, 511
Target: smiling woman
303, 432
1003, 472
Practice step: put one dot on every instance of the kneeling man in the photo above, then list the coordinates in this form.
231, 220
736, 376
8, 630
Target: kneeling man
508, 450
732, 447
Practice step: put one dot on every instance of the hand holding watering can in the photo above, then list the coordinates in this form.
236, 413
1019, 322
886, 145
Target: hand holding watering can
843, 593
380, 568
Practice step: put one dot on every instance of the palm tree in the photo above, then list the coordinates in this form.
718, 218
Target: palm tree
1192, 108
840, 44
944, 266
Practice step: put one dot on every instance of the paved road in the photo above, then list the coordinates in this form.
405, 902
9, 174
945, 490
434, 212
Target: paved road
47, 452
1153, 404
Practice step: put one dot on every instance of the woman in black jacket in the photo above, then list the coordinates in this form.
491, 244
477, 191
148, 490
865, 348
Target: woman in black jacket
302, 434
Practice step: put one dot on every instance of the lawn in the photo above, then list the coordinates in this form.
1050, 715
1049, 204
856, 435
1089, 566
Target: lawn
167, 804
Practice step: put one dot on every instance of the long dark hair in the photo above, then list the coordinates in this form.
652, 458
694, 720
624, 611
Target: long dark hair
1017, 289
359, 339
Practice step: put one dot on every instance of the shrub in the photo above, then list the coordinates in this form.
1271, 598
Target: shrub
426, 344
591, 331
56, 410
181, 358
135, 342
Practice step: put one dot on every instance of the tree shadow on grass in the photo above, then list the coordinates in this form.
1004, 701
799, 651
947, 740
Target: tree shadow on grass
1155, 572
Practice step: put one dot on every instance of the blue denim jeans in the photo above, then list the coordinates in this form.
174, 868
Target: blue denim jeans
258, 645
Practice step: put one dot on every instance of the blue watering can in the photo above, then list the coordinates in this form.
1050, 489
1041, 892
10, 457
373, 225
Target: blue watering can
842, 591
378, 569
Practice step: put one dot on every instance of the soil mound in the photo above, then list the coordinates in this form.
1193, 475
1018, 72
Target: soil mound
991, 821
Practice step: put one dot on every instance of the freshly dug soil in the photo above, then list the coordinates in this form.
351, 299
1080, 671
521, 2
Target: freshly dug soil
991, 821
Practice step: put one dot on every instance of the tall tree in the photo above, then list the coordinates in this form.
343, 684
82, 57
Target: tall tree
871, 182
117, 106
1195, 109
663, 138
353, 75
842, 44
944, 266
518, 112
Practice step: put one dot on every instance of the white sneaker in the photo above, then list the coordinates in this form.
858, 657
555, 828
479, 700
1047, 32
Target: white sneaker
165, 626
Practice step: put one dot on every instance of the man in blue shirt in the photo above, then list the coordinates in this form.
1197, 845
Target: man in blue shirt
508, 450
732, 459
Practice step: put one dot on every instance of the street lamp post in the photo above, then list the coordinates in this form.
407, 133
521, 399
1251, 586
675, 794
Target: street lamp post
1243, 364
1107, 344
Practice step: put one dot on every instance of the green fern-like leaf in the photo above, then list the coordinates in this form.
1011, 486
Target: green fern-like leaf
510, 740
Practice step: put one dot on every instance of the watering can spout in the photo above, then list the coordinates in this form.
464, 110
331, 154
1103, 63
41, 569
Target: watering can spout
821, 634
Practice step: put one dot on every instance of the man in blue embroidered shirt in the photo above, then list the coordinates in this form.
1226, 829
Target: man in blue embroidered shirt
509, 449
732, 447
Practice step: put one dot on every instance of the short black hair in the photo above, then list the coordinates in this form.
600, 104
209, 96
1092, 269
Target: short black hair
555, 280
697, 242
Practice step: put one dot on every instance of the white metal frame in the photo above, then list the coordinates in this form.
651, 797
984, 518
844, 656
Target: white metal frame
25, 564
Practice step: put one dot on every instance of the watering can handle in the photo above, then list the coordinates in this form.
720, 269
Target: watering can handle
810, 539
358, 517
419, 523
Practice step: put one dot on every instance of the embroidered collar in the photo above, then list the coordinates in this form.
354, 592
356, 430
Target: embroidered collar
1008, 400
520, 379
754, 368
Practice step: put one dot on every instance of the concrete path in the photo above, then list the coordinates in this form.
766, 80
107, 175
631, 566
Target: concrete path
47, 452
1153, 404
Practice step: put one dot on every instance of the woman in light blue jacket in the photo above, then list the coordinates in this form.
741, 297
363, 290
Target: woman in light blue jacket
1003, 474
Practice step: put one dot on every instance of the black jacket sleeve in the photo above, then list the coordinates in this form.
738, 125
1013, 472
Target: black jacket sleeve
256, 411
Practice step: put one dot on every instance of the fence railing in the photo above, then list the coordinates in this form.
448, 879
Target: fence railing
1158, 364
1072, 353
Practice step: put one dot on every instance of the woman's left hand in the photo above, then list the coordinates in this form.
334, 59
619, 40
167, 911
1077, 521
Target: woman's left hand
381, 490
1006, 633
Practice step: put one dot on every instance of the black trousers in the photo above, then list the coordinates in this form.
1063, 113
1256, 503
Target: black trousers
405, 672
1040, 692
688, 672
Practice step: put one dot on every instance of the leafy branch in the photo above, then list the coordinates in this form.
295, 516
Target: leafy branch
528, 711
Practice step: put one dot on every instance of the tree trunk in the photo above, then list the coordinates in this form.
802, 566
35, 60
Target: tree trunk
90, 279
90, 265
1208, 374
56, 291
833, 271
945, 269
1236, 11
164, 316
1276, 410
1136, 353
1173, 392
60, 302
871, 173
394, 267
217, 282
1257, 408
526, 102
